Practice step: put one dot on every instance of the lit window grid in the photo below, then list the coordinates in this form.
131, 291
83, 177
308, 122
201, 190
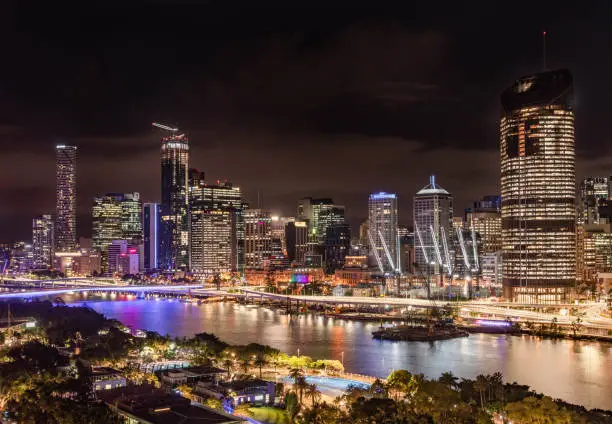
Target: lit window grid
531, 256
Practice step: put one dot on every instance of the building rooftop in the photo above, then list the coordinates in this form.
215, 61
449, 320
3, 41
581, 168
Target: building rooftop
155, 406
238, 385
432, 188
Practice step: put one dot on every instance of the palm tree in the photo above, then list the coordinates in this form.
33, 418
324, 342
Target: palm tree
300, 385
260, 362
481, 385
313, 393
448, 379
228, 364
245, 364
295, 373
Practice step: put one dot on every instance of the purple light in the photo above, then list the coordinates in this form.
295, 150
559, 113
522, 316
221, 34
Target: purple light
493, 323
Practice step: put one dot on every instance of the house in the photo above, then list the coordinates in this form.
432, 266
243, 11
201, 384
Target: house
234, 393
147, 405
104, 378
190, 375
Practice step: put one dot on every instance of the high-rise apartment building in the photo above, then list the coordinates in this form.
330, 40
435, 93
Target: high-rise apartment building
337, 246
151, 225
538, 186
131, 217
65, 220
115, 216
42, 242
175, 202
320, 214
213, 241
594, 193
298, 246
383, 231
485, 218
278, 229
257, 238
433, 227
213, 208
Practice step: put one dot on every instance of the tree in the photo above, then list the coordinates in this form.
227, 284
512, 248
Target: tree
480, 385
260, 362
576, 326
448, 379
292, 405
403, 384
228, 364
313, 393
185, 391
214, 403
301, 385
541, 410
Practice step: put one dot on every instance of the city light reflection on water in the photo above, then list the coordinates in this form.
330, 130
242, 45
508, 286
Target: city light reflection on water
579, 372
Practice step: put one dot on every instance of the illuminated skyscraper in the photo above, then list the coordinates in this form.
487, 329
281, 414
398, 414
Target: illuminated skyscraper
257, 238
65, 221
175, 202
538, 187
213, 208
382, 231
320, 214
151, 225
485, 218
115, 216
42, 241
296, 234
433, 222
213, 241
594, 192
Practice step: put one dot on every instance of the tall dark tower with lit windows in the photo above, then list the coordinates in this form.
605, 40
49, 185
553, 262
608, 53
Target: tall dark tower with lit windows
65, 219
538, 186
174, 236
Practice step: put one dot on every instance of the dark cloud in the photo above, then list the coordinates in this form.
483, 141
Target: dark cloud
284, 99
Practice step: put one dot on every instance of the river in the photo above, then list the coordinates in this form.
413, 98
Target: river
575, 371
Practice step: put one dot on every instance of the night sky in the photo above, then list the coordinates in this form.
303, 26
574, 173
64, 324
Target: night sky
290, 99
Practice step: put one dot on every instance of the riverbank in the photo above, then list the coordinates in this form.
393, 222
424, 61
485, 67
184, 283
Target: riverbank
583, 377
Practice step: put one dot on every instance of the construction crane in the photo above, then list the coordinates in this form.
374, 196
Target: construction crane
426, 279
164, 127
170, 129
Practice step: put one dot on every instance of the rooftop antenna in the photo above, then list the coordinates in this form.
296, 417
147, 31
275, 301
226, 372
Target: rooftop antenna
544, 50
432, 181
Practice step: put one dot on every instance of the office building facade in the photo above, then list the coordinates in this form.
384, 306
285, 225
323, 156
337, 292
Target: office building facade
337, 246
538, 186
65, 219
484, 217
383, 232
433, 226
257, 238
43, 242
175, 202
116, 216
594, 193
151, 224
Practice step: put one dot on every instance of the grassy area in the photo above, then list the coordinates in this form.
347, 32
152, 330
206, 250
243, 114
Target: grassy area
270, 415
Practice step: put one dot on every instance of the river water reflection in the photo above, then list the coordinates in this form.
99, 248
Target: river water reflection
578, 372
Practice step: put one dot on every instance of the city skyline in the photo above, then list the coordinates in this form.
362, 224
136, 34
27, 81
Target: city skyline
255, 142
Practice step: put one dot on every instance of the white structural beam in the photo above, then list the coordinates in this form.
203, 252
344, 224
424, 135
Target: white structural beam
387, 252
375, 251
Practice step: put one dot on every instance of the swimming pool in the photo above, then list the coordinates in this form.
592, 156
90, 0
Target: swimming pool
331, 386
